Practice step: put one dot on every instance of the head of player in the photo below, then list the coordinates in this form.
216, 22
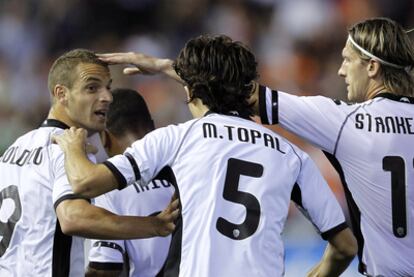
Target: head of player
128, 120
218, 73
79, 84
378, 57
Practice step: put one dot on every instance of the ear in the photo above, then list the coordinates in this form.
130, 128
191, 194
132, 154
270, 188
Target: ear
373, 68
60, 94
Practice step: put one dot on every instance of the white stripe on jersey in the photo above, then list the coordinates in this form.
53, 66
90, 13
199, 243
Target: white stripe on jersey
235, 180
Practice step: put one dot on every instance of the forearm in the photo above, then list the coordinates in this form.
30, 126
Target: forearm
87, 179
78, 217
333, 263
339, 253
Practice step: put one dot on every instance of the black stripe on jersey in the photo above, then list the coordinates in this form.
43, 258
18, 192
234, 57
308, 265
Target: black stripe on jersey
275, 107
134, 166
354, 212
333, 231
108, 244
171, 266
106, 266
396, 97
61, 253
296, 195
262, 105
54, 123
117, 174
70, 197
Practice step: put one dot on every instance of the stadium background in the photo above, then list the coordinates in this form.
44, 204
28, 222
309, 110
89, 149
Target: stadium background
297, 43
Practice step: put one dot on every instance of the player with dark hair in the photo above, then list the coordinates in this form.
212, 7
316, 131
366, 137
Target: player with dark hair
41, 214
370, 143
234, 178
129, 120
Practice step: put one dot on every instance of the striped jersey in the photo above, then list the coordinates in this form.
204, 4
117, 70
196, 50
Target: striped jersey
33, 183
371, 145
234, 179
145, 257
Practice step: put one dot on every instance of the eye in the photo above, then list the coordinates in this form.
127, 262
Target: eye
92, 87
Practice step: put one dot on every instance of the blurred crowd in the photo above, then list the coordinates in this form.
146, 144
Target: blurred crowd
297, 43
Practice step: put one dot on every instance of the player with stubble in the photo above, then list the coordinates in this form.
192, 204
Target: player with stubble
45, 217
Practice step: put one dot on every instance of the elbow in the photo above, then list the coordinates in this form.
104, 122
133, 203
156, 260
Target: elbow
70, 215
81, 187
69, 225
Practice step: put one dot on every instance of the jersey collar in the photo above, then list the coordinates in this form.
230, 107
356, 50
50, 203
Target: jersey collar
232, 113
54, 123
395, 97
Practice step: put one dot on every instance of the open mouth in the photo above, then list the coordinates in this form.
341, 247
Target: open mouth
101, 113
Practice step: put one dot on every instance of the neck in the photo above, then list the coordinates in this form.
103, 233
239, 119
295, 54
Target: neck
375, 89
197, 108
58, 113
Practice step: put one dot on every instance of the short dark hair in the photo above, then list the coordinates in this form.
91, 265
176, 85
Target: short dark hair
62, 69
128, 112
219, 71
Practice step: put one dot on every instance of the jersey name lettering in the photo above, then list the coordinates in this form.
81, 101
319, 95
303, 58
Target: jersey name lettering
21, 158
386, 124
151, 186
241, 134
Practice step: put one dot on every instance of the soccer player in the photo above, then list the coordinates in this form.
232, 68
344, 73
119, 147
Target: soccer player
234, 178
128, 119
370, 143
40, 214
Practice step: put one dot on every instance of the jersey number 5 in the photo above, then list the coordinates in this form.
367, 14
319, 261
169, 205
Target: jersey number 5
7, 228
231, 192
396, 165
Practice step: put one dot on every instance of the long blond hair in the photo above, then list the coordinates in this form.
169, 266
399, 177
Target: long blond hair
387, 40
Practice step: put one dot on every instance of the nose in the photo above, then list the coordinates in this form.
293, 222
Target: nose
106, 96
341, 71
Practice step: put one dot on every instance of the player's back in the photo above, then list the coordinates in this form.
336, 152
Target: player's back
234, 180
378, 169
30, 235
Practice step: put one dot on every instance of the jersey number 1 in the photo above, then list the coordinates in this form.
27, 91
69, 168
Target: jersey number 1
396, 165
236, 168
7, 228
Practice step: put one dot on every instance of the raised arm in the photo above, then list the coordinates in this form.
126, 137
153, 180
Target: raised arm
143, 64
87, 179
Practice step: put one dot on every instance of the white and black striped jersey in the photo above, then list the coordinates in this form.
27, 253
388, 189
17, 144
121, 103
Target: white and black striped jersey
235, 180
371, 145
145, 257
33, 182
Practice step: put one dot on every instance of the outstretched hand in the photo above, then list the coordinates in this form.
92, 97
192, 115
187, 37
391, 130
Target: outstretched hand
142, 64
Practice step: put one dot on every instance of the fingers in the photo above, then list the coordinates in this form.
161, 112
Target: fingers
117, 58
132, 71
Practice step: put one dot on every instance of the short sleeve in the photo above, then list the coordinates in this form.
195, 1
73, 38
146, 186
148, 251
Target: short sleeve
146, 157
316, 201
106, 255
317, 119
62, 189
